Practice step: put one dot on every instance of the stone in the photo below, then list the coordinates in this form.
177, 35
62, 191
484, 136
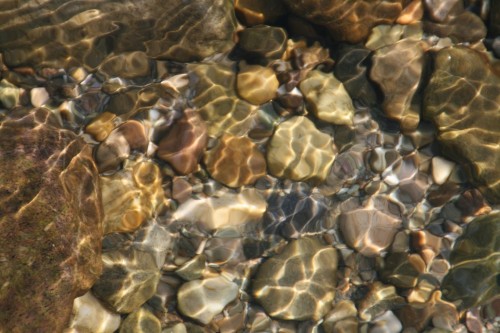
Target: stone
256, 84
215, 97
412, 13
299, 151
198, 30
378, 300
440, 10
255, 12
397, 69
441, 169
463, 103
184, 143
401, 269
127, 65
298, 283
50, 222
475, 258
90, 316
226, 210
131, 196
141, 321
370, 228
203, 299
235, 161
349, 21
386, 323
343, 312
9, 94
263, 42
101, 126
39, 96
327, 98
128, 280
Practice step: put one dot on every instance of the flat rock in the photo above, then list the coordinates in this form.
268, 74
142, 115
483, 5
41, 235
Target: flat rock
463, 102
197, 30
90, 316
203, 299
129, 279
299, 151
50, 222
327, 98
226, 210
299, 283
235, 161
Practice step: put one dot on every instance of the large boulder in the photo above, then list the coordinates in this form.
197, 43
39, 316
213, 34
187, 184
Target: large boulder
50, 222
88, 31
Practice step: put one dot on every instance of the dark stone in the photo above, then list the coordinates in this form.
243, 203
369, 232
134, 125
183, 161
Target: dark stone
50, 222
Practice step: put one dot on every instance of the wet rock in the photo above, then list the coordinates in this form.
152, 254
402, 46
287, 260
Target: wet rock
263, 42
129, 65
473, 278
386, 323
235, 161
441, 169
370, 228
254, 12
342, 317
327, 98
440, 10
299, 283
90, 316
9, 94
463, 102
50, 222
128, 280
401, 269
412, 13
214, 87
347, 21
39, 96
141, 321
101, 126
183, 145
181, 189
378, 300
198, 30
299, 151
226, 210
203, 299
256, 84
131, 196
397, 69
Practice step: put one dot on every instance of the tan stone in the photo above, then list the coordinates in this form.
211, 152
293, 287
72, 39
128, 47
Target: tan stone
257, 84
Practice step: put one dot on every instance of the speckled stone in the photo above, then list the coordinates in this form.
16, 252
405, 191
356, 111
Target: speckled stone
299, 151
141, 321
235, 161
462, 99
184, 143
256, 84
299, 283
90, 316
203, 299
327, 98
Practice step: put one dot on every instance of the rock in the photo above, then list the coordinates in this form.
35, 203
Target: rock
90, 316
197, 30
342, 315
203, 299
9, 94
441, 169
214, 87
386, 323
128, 280
116, 148
440, 10
131, 196
257, 84
141, 321
299, 151
50, 222
299, 283
39, 96
401, 269
101, 126
127, 65
254, 12
235, 161
463, 102
349, 21
370, 228
475, 258
397, 68
226, 210
327, 98
378, 300
185, 142
263, 42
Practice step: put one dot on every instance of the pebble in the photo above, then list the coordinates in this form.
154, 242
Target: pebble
299, 151
9, 94
203, 299
299, 283
327, 98
226, 210
263, 41
39, 96
441, 169
90, 316
256, 84
386, 323
255, 12
101, 126
235, 161
141, 321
